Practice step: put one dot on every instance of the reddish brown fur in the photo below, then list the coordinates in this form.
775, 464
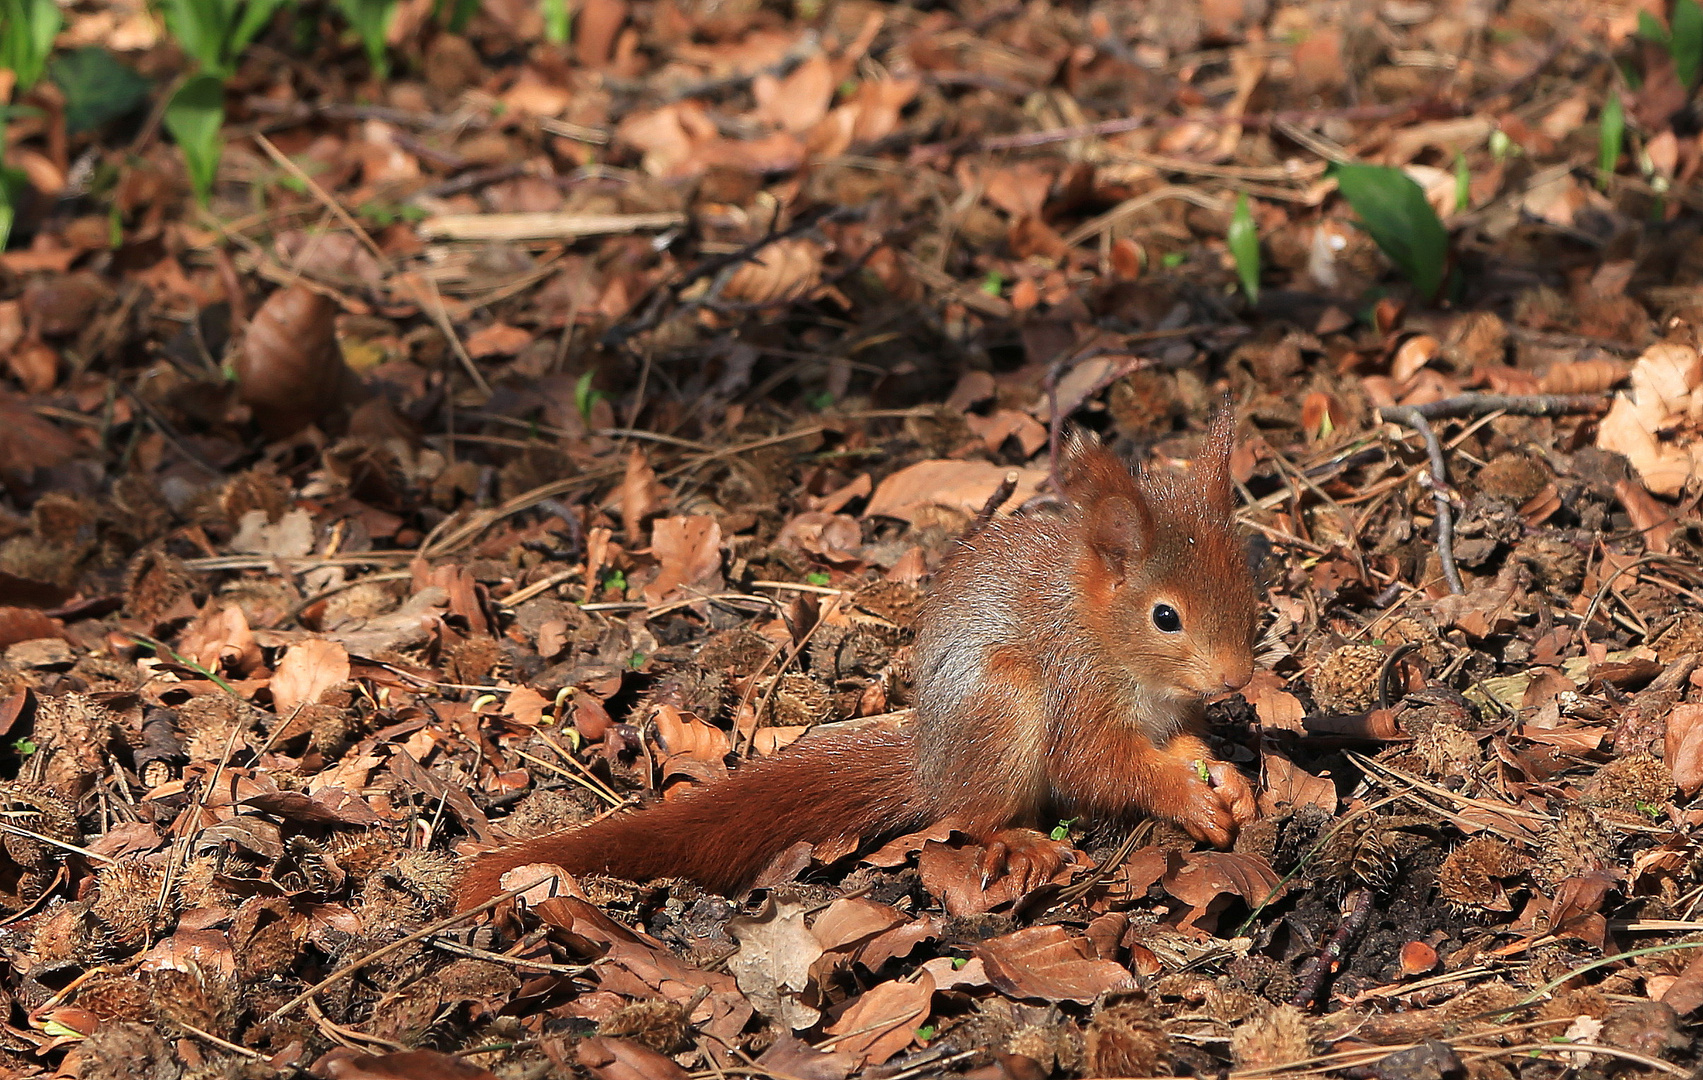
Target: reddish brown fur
1044, 688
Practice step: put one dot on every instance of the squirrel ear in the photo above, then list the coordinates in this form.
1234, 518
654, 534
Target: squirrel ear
1088, 472
1212, 465
1119, 529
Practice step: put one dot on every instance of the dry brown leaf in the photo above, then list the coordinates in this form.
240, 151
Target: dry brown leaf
1276, 707
962, 486
596, 24
852, 920
834, 537
1004, 424
308, 669
781, 272
1592, 376
1289, 785
1207, 879
1047, 964
800, 101
884, 1020
623, 1059
772, 965
218, 637
1683, 746
289, 370
22, 624
689, 549
498, 339
404, 1065
642, 495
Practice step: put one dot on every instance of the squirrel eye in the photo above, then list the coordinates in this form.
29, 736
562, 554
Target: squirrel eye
1165, 617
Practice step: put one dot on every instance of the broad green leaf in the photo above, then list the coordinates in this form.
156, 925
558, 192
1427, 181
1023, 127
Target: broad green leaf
1651, 29
27, 29
1244, 241
98, 88
256, 14
1687, 44
558, 21
1393, 209
371, 20
194, 117
1611, 130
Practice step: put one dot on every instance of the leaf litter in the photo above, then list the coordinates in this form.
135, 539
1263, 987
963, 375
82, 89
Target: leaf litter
553, 427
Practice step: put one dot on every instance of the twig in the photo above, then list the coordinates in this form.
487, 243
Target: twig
543, 226
1312, 978
441, 315
324, 197
1411, 416
1136, 123
995, 501
1463, 405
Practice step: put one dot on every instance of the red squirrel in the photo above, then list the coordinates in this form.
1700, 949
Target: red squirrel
1061, 665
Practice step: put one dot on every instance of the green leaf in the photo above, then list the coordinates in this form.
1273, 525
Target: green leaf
462, 14
994, 283
1244, 241
584, 396
1172, 259
817, 578
27, 30
1611, 130
194, 117
12, 183
1394, 211
371, 20
98, 89
1686, 48
558, 21
1463, 184
1650, 28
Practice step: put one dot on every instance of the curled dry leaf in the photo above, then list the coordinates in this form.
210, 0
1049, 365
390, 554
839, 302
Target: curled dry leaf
962, 486
289, 370
1047, 964
1664, 381
783, 271
884, 1020
689, 549
772, 966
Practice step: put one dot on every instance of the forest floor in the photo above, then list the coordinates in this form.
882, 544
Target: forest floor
550, 427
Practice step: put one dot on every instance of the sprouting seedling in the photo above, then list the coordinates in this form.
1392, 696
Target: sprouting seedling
586, 398
1611, 130
1244, 242
1062, 829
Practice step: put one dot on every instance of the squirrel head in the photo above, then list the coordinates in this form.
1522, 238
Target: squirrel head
1165, 578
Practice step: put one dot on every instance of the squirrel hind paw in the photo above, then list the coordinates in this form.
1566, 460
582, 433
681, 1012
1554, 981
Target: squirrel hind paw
1025, 858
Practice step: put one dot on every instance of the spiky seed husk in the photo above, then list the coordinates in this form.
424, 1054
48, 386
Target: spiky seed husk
1275, 1036
1347, 681
1471, 877
661, 1025
1125, 1039
128, 899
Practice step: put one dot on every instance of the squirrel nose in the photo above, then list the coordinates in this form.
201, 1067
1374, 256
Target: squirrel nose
1236, 674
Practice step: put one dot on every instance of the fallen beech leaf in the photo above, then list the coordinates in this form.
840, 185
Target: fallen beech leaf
1590, 376
289, 370
798, 102
1417, 958
689, 549
834, 537
1289, 785
1655, 521
793, 1057
1276, 707
852, 920
781, 272
596, 25
220, 636
407, 1065
1207, 878
21, 624
498, 339
309, 668
1006, 423
29, 442
772, 966
963, 486
884, 1020
642, 495
1045, 963
1683, 746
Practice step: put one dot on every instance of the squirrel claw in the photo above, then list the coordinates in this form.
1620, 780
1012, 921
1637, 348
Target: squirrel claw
1218, 807
1024, 857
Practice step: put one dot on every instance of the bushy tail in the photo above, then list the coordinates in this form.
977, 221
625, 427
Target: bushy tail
844, 785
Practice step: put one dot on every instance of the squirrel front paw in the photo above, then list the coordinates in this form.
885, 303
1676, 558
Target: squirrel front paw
1026, 858
1216, 805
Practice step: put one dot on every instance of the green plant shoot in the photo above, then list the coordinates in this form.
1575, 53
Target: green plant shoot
1612, 129
1394, 210
215, 32
558, 21
194, 117
1244, 241
371, 20
27, 29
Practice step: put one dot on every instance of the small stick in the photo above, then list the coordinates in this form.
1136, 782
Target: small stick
1412, 416
1463, 405
995, 501
1357, 912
